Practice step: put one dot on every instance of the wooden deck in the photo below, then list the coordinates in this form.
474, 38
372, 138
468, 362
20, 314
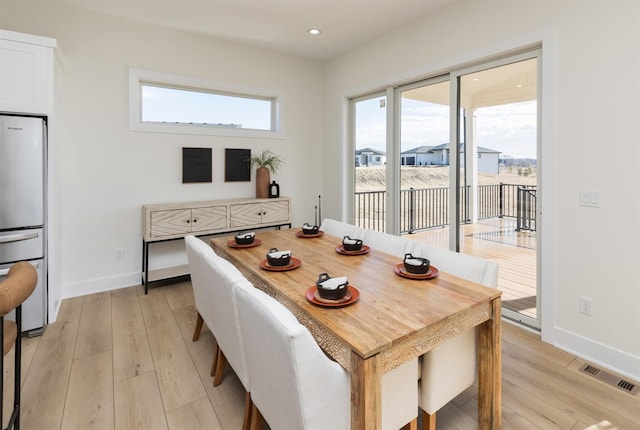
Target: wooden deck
497, 240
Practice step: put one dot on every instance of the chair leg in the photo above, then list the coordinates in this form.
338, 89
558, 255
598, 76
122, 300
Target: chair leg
257, 421
215, 361
221, 361
246, 420
428, 421
412, 425
196, 332
14, 420
16, 392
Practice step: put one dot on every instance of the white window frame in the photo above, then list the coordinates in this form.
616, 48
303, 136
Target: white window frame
140, 77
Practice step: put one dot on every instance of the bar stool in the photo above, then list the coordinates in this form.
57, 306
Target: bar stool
14, 290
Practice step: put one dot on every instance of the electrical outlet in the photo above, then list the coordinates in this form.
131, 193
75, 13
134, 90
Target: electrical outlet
119, 253
585, 305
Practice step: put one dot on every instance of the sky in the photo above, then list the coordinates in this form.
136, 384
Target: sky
198, 107
510, 129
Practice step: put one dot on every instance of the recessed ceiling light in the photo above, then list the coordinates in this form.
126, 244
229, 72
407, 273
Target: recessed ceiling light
314, 31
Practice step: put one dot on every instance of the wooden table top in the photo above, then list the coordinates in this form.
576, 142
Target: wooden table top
390, 308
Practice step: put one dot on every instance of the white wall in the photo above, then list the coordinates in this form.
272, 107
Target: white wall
591, 54
105, 173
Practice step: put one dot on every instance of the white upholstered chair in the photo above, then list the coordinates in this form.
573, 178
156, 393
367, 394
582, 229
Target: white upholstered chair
214, 280
389, 243
398, 408
445, 372
341, 229
450, 368
466, 266
294, 384
202, 291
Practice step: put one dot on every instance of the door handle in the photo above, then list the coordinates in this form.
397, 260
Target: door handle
18, 237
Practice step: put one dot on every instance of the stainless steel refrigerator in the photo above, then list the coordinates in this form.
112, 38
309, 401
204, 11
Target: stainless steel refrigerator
23, 147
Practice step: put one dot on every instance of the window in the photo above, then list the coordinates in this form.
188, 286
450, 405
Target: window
165, 103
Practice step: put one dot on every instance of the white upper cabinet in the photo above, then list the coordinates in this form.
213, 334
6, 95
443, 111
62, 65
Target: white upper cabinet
26, 73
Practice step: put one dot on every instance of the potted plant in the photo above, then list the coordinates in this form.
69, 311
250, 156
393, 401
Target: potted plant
265, 162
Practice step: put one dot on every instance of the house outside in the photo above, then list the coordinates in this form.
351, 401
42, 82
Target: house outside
370, 157
488, 159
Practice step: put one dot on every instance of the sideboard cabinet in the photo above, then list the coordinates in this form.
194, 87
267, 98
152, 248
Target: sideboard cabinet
173, 221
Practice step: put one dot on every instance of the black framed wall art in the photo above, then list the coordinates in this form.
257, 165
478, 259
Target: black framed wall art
236, 165
196, 165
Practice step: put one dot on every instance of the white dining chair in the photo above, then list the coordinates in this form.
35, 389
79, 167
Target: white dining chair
341, 229
203, 293
445, 372
389, 243
402, 412
294, 384
214, 280
451, 367
466, 266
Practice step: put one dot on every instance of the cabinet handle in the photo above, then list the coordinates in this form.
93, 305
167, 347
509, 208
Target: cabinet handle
5, 272
17, 237
195, 220
188, 221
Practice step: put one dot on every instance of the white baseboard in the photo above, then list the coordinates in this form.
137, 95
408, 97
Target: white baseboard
99, 285
620, 362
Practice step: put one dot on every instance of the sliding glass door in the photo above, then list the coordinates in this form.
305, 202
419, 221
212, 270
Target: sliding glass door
498, 175
452, 161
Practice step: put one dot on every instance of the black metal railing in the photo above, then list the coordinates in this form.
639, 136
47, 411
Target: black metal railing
526, 213
425, 208
370, 210
497, 201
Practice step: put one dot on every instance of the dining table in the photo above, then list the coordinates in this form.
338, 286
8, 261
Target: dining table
389, 319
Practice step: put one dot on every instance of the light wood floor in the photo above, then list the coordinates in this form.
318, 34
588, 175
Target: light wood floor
496, 239
123, 360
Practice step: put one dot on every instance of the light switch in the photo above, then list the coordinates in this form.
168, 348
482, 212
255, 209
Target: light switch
584, 198
590, 199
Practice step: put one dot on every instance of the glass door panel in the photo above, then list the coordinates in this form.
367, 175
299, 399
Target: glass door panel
370, 136
498, 165
424, 156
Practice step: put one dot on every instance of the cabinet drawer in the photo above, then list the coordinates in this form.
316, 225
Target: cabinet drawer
208, 219
170, 223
